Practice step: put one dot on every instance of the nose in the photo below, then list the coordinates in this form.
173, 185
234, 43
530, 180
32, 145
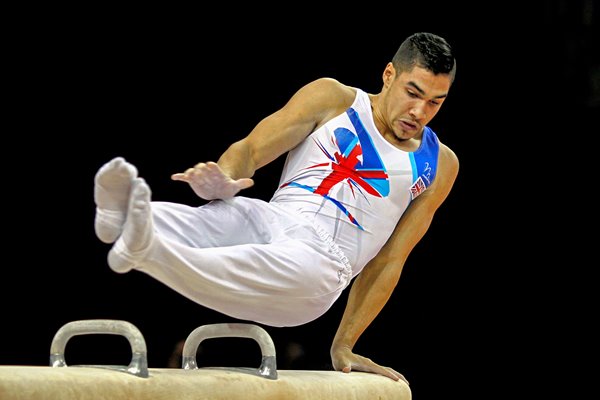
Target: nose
418, 112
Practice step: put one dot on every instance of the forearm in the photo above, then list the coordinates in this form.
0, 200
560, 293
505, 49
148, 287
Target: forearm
237, 161
369, 293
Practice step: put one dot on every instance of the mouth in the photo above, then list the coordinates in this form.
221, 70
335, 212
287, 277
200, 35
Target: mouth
408, 126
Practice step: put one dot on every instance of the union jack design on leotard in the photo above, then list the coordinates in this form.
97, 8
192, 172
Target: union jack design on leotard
356, 163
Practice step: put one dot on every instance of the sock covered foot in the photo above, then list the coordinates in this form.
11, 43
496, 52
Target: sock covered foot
112, 186
137, 232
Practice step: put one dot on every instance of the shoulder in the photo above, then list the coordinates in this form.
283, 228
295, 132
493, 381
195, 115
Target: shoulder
445, 175
447, 172
448, 159
329, 91
333, 85
323, 98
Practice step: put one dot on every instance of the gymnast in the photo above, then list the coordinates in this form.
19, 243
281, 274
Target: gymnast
363, 178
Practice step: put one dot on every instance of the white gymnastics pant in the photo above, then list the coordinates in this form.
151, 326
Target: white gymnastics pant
246, 258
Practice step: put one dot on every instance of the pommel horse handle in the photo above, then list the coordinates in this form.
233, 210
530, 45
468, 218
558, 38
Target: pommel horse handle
268, 366
139, 360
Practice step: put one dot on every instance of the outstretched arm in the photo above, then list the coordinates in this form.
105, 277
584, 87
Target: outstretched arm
276, 134
373, 287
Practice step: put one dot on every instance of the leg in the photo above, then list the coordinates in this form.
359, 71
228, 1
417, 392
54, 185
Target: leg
283, 275
112, 185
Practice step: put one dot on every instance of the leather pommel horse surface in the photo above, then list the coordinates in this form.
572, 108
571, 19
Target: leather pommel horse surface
83, 383
138, 382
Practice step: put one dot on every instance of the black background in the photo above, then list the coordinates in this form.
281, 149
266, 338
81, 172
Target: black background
168, 89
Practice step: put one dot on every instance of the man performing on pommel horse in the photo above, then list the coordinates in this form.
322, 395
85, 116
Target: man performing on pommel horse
363, 178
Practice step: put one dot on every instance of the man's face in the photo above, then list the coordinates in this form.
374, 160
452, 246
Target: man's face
412, 100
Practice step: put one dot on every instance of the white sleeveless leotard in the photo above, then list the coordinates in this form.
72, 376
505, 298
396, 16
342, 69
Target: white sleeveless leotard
351, 182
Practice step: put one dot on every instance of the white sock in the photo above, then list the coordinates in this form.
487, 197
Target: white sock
112, 185
137, 232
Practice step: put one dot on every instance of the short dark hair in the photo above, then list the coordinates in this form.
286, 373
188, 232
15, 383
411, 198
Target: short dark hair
426, 50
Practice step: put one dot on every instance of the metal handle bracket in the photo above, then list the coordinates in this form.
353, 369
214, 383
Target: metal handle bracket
139, 360
268, 366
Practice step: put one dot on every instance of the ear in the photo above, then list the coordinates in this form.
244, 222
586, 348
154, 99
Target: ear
388, 74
